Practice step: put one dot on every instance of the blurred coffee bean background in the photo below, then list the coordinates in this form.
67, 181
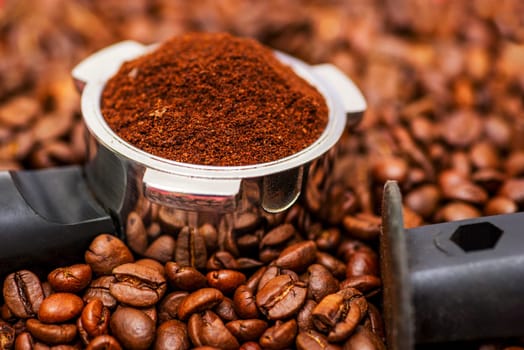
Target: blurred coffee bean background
444, 82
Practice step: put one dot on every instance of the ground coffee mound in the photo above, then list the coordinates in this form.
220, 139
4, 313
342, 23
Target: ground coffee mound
213, 99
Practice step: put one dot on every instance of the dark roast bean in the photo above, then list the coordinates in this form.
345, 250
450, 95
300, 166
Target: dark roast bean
363, 339
172, 335
99, 289
246, 222
274, 271
207, 329
23, 293
280, 336
281, 297
248, 263
51, 333
244, 302
226, 310
246, 330
133, 328
107, 252
320, 282
137, 285
312, 340
95, 318
221, 260
161, 249
191, 248
198, 301
252, 282
298, 256
225, 280
338, 314
60, 307
168, 308
70, 279
104, 342
305, 316
7, 335
136, 235
184, 277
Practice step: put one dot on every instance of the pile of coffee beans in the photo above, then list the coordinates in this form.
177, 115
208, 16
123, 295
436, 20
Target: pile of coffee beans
444, 85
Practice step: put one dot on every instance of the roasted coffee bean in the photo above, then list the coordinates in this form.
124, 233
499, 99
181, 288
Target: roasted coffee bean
198, 301
225, 281
423, 200
191, 248
366, 284
338, 314
298, 256
335, 266
95, 318
23, 293
184, 277
100, 289
51, 333
390, 168
455, 211
221, 260
280, 336
273, 271
161, 249
250, 345
172, 335
244, 302
24, 341
168, 308
226, 310
136, 235
152, 263
137, 285
312, 340
104, 342
171, 220
500, 205
210, 234
281, 297
7, 335
60, 307
305, 316
248, 263
362, 228
247, 330
362, 339
107, 252
513, 189
320, 282
133, 328
252, 282
363, 262
246, 222
329, 239
207, 329
70, 279
278, 235
376, 325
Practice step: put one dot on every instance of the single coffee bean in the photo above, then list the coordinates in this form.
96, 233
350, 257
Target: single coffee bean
60, 307
152, 263
184, 277
104, 342
247, 330
423, 200
99, 289
198, 301
278, 235
363, 339
244, 302
136, 235
500, 205
250, 345
465, 191
484, 155
133, 328
95, 318
191, 248
225, 280
172, 335
7, 335
161, 249
23, 293
298, 256
274, 271
363, 262
328, 319
171, 220
489, 179
334, 265
51, 333
513, 189
138, 285
107, 252
24, 341
210, 234
362, 228
168, 308
455, 211
226, 310
320, 282
221, 260
280, 336
248, 263
366, 284
70, 279
312, 340
390, 168
246, 222
207, 329
305, 316
329, 239
376, 324
252, 282
281, 297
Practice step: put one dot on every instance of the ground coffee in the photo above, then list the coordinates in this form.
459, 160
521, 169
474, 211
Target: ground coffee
213, 99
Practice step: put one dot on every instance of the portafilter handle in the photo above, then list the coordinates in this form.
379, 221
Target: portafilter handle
451, 281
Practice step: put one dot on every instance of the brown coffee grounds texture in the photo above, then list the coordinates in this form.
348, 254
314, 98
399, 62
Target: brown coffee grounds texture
213, 99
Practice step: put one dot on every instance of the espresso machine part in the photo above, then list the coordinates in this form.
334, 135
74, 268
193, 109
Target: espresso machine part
55, 213
459, 280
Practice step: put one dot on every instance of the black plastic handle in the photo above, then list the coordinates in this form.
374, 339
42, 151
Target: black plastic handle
47, 216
